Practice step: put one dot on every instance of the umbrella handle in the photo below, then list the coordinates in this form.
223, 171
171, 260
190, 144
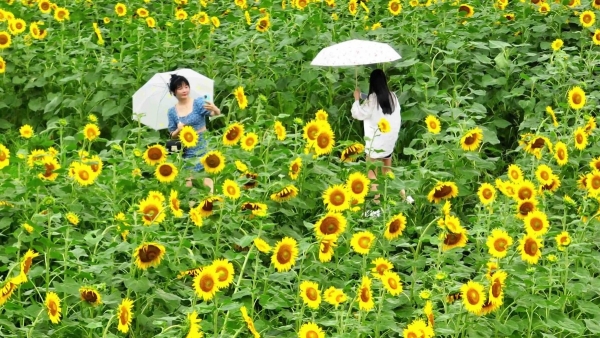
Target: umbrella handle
355, 76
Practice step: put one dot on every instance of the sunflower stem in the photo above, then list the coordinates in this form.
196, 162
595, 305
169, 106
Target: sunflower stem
377, 334
237, 285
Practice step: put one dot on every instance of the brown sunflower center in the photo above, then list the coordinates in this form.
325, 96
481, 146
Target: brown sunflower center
325, 247
412, 335
3, 156
596, 182
150, 212
148, 253
364, 242
586, 19
329, 226
530, 247
165, 170
526, 208
536, 224
392, 283
89, 296
84, 175
579, 138
175, 203
323, 140
231, 190
564, 239
394, 6
465, 9
124, 316
45, 6
537, 143
338, 198
208, 205
381, 269
395, 226
295, 168
357, 187
207, 283
223, 273
53, 307
487, 194
365, 294
188, 137
232, 134
432, 124
27, 265
3, 39
284, 254
442, 191
312, 334
525, 193
213, 161
263, 23
155, 154
500, 244
561, 154
452, 239
496, 288
473, 296
120, 10
312, 294
61, 14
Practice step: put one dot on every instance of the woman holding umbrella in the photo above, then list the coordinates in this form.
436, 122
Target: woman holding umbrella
190, 112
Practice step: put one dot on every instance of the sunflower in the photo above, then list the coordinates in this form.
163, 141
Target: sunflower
240, 97
581, 139
181, 15
120, 9
4, 156
324, 142
353, 6
150, 22
544, 174
295, 167
174, 204
550, 112
381, 266
496, 293
351, 152
247, 17
336, 198
45, 6
83, 174
95, 162
125, 315
258, 209
52, 304
563, 239
166, 172
454, 240
592, 182
26, 131
544, 8
442, 191
509, 16
231, 189
142, 12
576, 96
498, 243
240, 166
433, 123
330, 295
384, 125
155, 154
215, 21
488, 308
326, 249
395, 226
233, 134
249, 141
213, 162
61, 14
249, 321
309, 291
279, 130
358, 185
8, 289
188, 137
472, 139
194, 325
557, 45
362, 242
2, 65
395, 7
486, 193
468, 10
17, 26
224, 270
90, 295
313, 128
207, 206
311, 330
50, 166
196, 216
525, 190
391, 282
582, 181
285, 194
148, 255
26, 263
261, 245
263, 24
536, 144
590, 125
72, 218
447, 208
157, 196
530, 246
587, 19
152, 211
332, 225
251, 183
452, 223
473, 296
285, 254
524, 207
561, 155
365, 295
596, 4
418, 329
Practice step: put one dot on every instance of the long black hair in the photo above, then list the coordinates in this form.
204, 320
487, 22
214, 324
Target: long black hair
378, 85
176, 82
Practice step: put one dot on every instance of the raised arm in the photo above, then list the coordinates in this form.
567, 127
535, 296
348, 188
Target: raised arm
173, 126
364, 111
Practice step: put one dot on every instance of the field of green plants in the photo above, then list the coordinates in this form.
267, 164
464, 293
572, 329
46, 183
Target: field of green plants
101, 237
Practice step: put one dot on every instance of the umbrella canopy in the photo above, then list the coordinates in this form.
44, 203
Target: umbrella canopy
355, 53
152, 102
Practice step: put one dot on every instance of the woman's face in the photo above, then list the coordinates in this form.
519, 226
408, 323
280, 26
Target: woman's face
182, 91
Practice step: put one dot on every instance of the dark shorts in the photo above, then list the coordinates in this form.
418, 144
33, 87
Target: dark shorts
388, 156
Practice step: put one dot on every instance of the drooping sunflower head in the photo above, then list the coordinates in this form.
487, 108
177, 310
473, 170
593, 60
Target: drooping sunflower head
590, 126
233, 134
442, 191
213, 162
576, 96
285, 194
224, 271
351, 152
473, 296
249, 141
310, 293
251, 180
326, 249
155, 154
336, 198
486, 193
50, 166
466, 9
90, 296
472, 139
207, 206
240, 97
496, 293
26, 263
285, 254
262, 245
332, 225
148, 255
395, 226
174, 204
454, 240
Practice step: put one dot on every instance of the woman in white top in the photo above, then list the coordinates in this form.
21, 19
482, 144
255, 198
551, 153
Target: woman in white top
380, 103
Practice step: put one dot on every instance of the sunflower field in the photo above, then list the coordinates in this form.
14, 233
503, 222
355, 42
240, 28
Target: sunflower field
101, 236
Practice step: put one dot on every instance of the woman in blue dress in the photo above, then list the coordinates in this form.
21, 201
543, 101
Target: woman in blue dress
190, 112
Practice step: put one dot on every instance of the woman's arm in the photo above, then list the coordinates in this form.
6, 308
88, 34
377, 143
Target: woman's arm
362, 112
174, 126
213, 110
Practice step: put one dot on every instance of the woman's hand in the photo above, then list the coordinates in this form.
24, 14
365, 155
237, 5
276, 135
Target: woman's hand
180, 126
212, 108
356, 94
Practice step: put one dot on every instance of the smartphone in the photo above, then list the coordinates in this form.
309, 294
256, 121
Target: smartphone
363, 96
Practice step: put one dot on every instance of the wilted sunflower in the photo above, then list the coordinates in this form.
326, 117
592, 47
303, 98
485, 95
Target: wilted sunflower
252, 182
285, 254
166, 172
336, 198
249, 141
395, 226
263, 24
155, 154
125, 315
576, 96
324, 142
498, 243
231, 189
581, 138
148, 255
233, 134
285, 194
561, 155
258, 209
351, 152
563, 239
90, 295
365, 295
391, 282
7, 290
279, 130
52, 304
213, 162
473, 296
50, 167
486, 193
530, 248
362, 242
587, 19
525, 190
433, 123
152, 211
295, 167
207, 206
472, 139
467, 9
442, 191
381, 265
310, 293
261, 245
188, 137
582, 181
326, 249
535, 145
311, 330
224, 270
332, 225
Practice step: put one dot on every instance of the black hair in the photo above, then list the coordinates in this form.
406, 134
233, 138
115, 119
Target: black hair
176, 82
378, 85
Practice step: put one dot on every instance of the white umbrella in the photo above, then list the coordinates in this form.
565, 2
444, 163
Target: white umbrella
355, 53
152, 102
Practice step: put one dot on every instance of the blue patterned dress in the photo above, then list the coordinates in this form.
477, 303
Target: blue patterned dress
197, 120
